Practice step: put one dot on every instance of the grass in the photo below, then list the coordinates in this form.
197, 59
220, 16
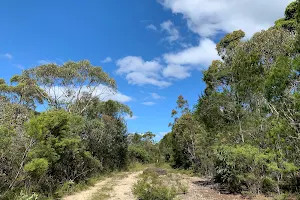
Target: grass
167, 167
120, 176
134, 167
103, 193
70, 188
157, 183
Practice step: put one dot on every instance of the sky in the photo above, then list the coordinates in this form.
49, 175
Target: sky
156, 50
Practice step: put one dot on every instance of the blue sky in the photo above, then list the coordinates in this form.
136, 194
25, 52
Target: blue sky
154, 49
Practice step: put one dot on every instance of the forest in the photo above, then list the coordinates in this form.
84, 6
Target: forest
57, 130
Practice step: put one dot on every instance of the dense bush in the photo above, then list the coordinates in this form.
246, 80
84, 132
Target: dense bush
76, 137
249, 168
138, 154
244, 129
58, 154
142, 148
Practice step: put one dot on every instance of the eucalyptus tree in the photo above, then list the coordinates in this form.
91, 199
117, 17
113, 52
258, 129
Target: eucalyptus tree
250, 107
71, 82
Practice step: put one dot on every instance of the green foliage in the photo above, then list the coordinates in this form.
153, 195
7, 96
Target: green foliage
291, 10
105, 138
278, 79
58, 153
229, 42
142, 148
76, 81
14, 145
289, 21
37, 167
152, 187
80, 134
166, 147
249, 168
138, 154
244, 130
24, 196
22, 90
241, 166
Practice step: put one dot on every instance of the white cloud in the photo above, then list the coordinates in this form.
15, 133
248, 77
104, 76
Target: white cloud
137, 64
140, 72
7, 56
138, 78
44, 62
156, 96
208, 17
19, 66
203, 54
103, 92
162, 134
55, 61
60, 61
176, 71
118, 97
173, 33
205, 18
127, 117
148, 103
107, 60
151, 27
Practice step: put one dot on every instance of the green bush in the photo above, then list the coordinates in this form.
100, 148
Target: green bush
58, 154
24, 196
138, 154
37, 166
245, 167
152, 187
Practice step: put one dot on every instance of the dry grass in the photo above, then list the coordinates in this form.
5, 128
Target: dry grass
103, 193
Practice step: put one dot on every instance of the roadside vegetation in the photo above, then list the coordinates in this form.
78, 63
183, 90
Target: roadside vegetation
158, 184
244, 130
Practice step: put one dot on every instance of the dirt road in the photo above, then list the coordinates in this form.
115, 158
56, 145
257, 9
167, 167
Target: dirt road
119, 187
114, 188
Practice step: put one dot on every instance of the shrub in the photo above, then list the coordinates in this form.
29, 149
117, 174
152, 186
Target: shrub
138, 154
37, 167
154, 184
58, 154
24, 196
245, 167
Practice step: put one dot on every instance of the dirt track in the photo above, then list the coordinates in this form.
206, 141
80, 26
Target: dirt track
119, 188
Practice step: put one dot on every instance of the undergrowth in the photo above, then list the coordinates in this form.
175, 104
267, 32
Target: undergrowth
158, 184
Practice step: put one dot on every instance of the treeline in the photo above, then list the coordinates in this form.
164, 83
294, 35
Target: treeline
77, 136
245, 129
